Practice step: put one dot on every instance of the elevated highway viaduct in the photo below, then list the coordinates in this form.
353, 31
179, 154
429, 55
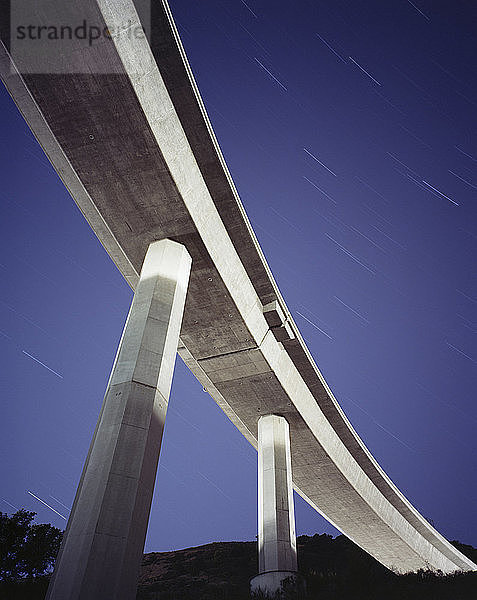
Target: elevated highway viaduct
131, 140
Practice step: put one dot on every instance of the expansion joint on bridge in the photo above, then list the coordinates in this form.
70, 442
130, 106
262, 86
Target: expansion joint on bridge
222, 354
278, 321
278, 324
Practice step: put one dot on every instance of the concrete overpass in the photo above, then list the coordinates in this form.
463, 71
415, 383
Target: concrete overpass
131, 140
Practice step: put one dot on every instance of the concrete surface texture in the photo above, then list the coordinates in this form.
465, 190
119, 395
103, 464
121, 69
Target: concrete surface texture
137, 152
273, 584
277, 553
276, 515
104, 540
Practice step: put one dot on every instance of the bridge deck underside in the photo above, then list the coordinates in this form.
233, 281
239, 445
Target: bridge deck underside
100, 137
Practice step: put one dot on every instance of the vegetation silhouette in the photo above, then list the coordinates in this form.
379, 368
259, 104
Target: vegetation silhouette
27, 555
333, 569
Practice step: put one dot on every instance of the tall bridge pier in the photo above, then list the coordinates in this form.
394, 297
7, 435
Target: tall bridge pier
277, 557
104, 541
123, 123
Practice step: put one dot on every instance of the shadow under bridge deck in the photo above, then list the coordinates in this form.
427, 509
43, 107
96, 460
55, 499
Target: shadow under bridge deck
135, 148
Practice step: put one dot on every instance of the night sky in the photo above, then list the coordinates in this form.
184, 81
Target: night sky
350, 131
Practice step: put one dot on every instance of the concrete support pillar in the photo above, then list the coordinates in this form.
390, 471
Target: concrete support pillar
277, 558
104, 540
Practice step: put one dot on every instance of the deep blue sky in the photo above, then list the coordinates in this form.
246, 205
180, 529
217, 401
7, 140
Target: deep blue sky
377, 267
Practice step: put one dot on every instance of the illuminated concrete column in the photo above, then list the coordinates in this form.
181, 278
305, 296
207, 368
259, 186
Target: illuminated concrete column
104, 540
277, 558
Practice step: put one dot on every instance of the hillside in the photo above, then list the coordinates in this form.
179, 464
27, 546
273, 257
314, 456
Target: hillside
334, 568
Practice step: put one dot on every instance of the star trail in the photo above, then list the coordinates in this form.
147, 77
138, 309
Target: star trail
350, 131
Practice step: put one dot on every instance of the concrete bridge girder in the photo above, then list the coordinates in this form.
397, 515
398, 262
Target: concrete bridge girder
170, 180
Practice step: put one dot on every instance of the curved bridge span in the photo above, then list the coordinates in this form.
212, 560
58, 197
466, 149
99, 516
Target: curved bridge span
135, 148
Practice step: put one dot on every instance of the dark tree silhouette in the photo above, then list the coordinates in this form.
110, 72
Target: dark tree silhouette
333, 568
27, 550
